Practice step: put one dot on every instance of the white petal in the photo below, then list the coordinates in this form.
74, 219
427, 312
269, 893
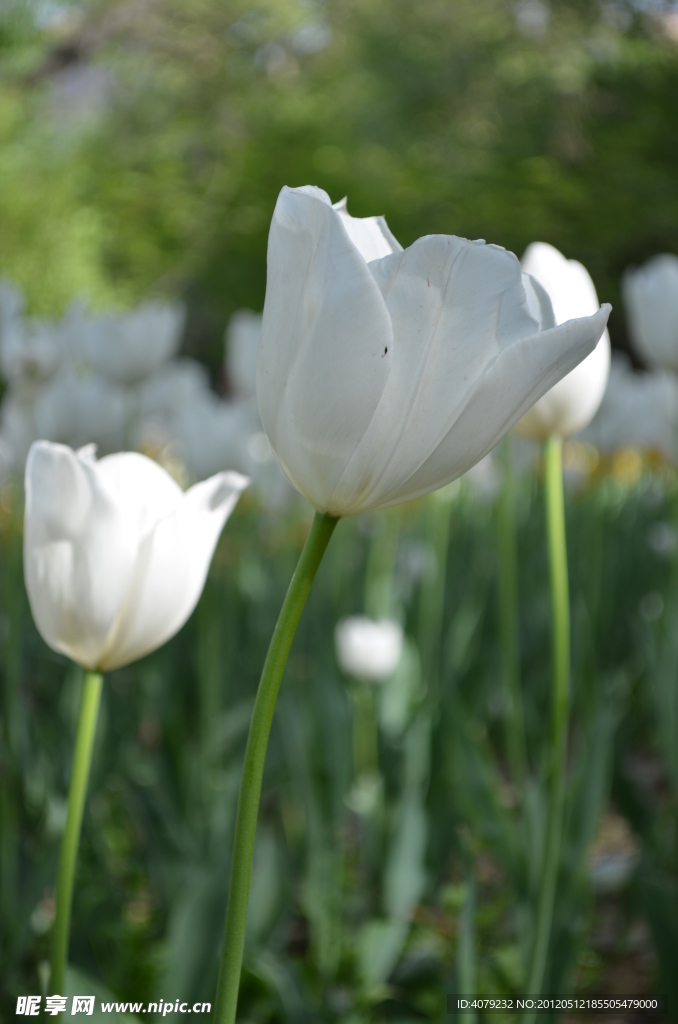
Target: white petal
518, 376
455, 305
371, 236
79, 550
171, 569
326, 344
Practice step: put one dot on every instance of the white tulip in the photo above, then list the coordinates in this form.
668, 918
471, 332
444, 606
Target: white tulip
161, 399
651, 297
31, 348
172, 387
129, 346
11, 304
242, 348
82, 409
115, 553
639, 410
18, 423
385, 373
366, 649
574, 400
213, 433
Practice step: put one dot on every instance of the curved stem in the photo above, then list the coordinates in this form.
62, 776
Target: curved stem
253, 768
560, 602
82, 759
508, 621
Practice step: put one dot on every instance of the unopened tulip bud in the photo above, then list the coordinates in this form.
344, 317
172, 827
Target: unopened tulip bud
573, 402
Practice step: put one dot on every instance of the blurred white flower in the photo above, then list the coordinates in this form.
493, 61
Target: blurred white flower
115, 553
160, 400
385, 373
213, 433
651, 297
11, 304
31, 348
366, 649
18, 423
638, 410
82, 409
574, 400
242, 338
126, 347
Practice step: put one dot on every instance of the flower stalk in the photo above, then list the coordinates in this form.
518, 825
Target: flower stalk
82, 759
253, 769
560, 604
508, 619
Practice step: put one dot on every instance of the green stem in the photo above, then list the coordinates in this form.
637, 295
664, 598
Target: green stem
253, 768
438, 511
508, 621
560, 601
365, 729
82, 759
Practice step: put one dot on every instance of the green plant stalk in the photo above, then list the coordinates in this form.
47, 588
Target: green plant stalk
253, 768
82, 759
438, 512
508, 621
560, 602
365, 729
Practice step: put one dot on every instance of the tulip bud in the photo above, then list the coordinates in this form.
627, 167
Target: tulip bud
573, 402
651, 297
368, 650
385, 373
115, 553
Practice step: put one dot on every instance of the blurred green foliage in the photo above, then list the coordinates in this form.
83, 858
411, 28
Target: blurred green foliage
142, 147
547, 119
369, 903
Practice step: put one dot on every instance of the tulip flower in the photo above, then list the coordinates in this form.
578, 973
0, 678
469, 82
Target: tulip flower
11, 304
242, 348
564, 409
639, 410
213, 433
115, 553
18, 422
30, 349
651, 297
574, 400
77, 410
368, 650
385, 373
172, 388
115, 559
129, 346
